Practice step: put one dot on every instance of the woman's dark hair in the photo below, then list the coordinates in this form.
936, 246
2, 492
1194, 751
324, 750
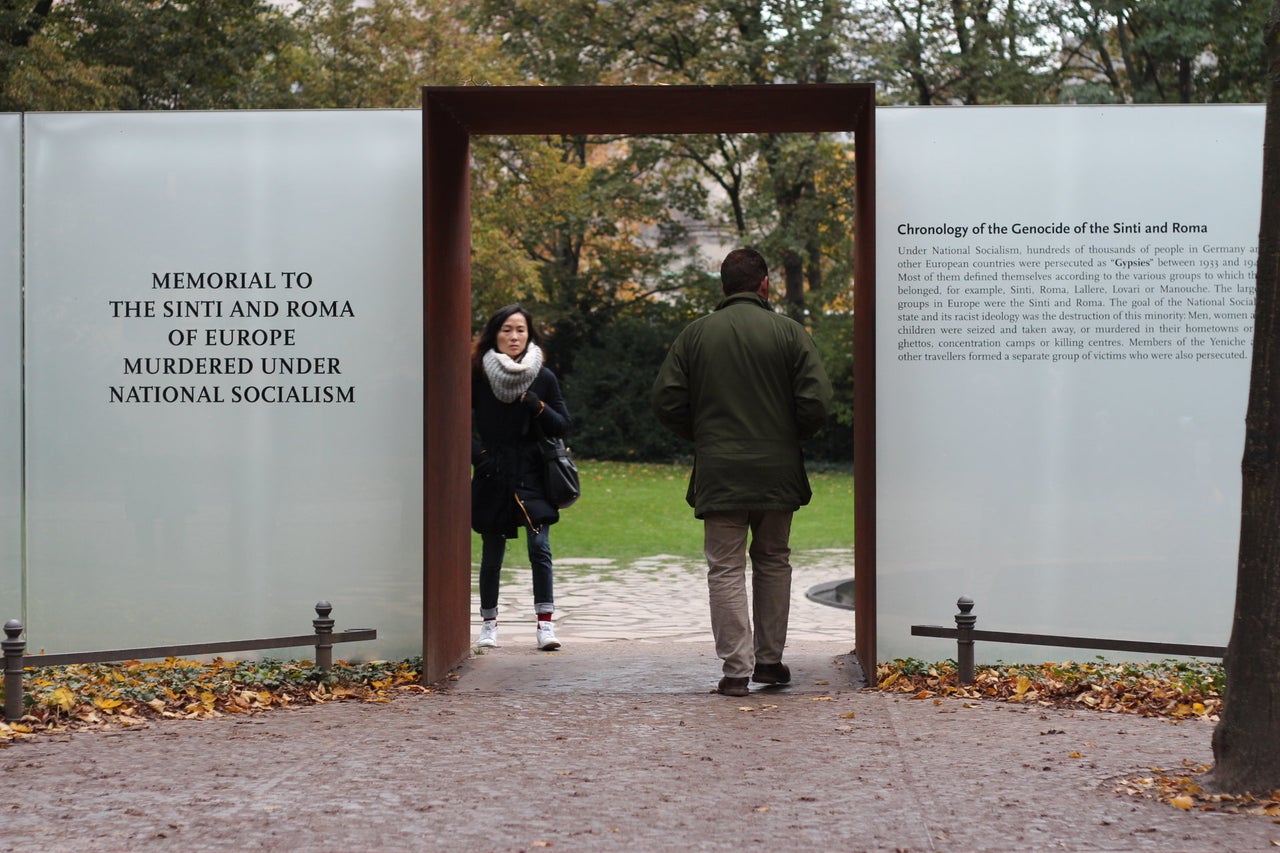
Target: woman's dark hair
489, 335
742, 271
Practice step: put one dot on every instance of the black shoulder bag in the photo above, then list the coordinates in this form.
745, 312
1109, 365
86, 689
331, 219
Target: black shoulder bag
558, 471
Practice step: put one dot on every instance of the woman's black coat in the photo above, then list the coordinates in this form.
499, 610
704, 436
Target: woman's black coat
507, 491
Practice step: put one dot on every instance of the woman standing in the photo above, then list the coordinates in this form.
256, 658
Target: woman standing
514, 400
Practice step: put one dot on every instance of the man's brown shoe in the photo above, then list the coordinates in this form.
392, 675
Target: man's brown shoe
733, 687
771, 673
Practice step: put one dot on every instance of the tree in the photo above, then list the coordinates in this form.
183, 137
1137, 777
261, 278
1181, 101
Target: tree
590, 213
1161, 51
143, 54
616, 375
36, 73
789, 194
379, 54
958, 51
41, 76
1048, 51
617, 247
768, 185
1246, 740
19, 23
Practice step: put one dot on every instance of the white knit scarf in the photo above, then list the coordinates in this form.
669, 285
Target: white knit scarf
510, 378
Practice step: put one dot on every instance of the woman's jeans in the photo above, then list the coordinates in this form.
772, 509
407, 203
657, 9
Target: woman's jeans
495, 548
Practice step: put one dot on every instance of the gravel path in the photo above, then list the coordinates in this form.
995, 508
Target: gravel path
617, 743
619, 746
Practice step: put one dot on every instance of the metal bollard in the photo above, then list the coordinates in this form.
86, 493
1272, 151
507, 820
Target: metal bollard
14, 647
324, 636
965, 621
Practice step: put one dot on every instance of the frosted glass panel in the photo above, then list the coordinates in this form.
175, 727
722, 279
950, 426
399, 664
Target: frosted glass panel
224, 364
1064, 304
10, 368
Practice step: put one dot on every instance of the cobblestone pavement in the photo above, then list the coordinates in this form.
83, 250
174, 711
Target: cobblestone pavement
658, 598
619, 745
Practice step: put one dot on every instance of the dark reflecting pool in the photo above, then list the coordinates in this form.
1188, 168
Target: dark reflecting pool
837, 593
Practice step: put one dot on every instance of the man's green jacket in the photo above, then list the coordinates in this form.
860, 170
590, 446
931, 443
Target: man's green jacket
745, 385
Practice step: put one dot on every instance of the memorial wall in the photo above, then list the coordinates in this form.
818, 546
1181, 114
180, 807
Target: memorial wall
10, 366
223, 338
1064, 316
224, 372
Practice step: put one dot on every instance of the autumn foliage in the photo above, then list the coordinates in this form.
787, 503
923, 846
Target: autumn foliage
111, 696
1175, 689
106, 696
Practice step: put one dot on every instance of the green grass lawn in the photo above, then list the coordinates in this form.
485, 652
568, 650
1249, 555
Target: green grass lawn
630, 510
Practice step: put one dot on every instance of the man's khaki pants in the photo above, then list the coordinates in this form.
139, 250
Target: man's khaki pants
725, 544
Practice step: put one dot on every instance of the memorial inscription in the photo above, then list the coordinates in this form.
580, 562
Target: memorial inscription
259, 357
1072, 293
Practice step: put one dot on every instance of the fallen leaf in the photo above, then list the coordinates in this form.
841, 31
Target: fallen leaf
61, 698
1178, 690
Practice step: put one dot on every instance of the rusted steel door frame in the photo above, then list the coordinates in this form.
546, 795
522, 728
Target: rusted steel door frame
450, 116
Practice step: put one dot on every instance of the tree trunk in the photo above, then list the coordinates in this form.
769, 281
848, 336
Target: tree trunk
31, 24
793, 276
1246, 742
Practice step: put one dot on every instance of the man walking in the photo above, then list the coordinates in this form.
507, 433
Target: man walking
745, 385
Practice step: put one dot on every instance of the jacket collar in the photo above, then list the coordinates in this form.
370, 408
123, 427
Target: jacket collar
745, 297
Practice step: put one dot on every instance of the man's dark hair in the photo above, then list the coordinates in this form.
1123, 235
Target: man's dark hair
742, 271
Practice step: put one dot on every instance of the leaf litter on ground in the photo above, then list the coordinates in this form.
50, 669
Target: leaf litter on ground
86, 697
1176, 690
91, 697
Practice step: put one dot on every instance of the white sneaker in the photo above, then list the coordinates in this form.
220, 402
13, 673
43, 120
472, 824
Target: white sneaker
488, 634
547, 635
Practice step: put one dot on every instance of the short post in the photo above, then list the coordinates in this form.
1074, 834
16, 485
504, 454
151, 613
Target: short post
324, 636
14, 647
965, 621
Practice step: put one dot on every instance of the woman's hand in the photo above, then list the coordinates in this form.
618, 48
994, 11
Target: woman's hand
487, 465
532, 402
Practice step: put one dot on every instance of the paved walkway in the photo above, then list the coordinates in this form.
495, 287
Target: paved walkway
659, 598
619, 745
